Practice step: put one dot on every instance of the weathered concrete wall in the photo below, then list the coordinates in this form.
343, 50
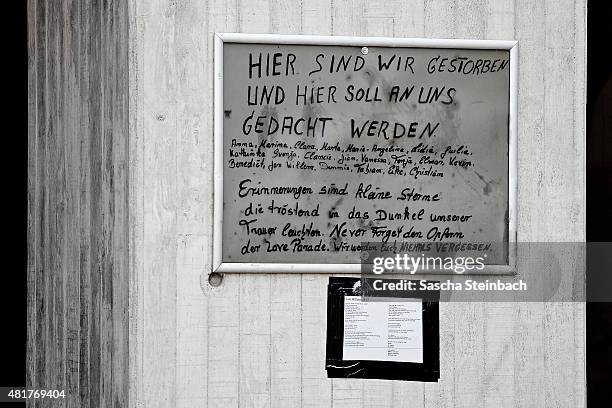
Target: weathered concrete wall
78, 277
259, 340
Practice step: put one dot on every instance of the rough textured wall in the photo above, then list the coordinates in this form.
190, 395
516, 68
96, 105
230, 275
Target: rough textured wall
77, 201
259, 340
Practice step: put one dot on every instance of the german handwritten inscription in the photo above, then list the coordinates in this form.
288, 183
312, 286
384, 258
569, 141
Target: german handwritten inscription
325, 147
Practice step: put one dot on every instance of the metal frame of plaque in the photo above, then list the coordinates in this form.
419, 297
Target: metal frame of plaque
248, 267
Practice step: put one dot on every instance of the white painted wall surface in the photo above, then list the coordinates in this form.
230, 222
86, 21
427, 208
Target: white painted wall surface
259, 340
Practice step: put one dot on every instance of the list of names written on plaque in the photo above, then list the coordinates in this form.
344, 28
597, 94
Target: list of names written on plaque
325, 148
